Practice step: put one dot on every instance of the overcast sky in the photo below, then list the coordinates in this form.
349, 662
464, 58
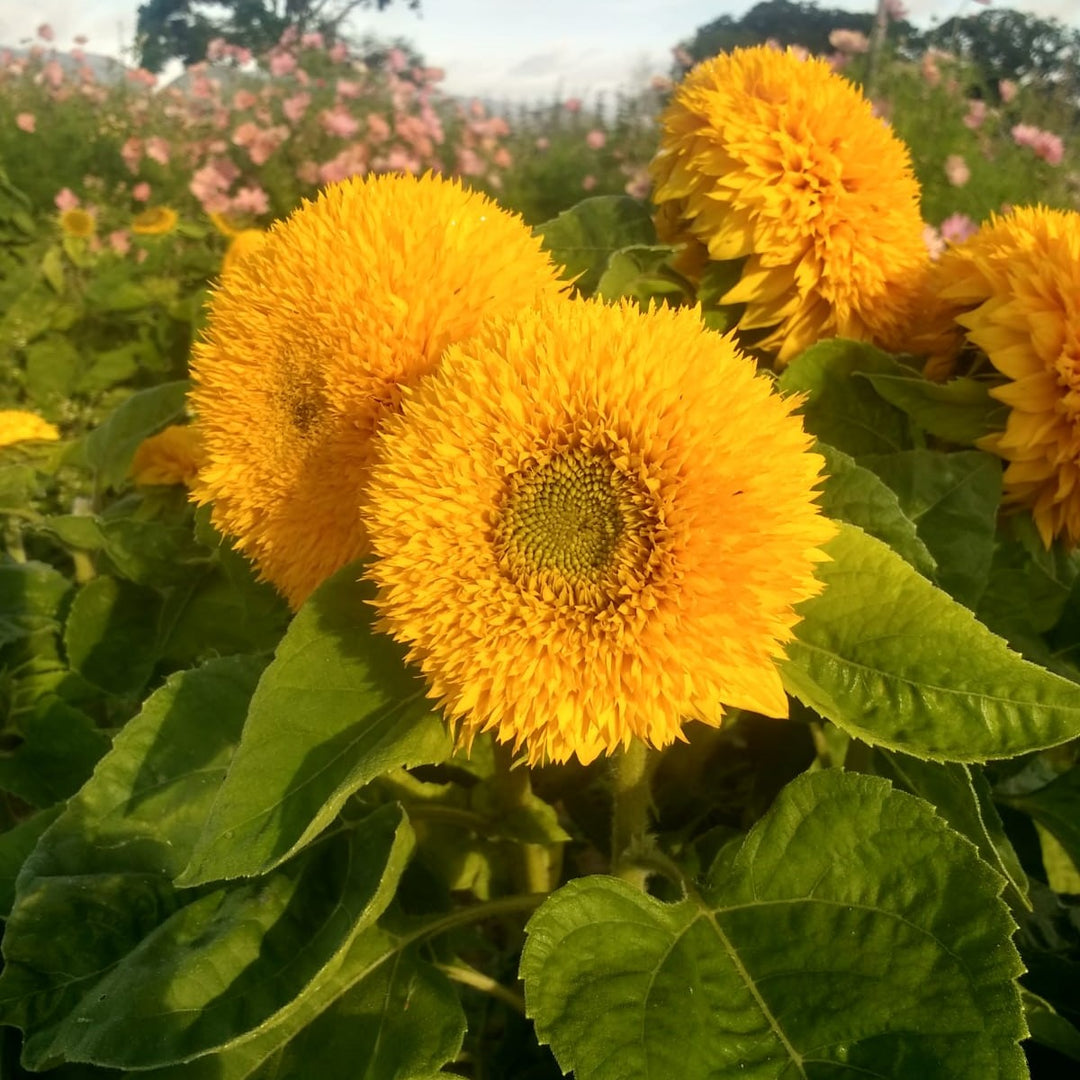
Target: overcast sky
500, 49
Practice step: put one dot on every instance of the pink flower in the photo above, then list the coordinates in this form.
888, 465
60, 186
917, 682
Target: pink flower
595, 139
120, 241
589, 182
132, 153
378, 128
294, 107
66, 199
307, 172
849, 41
572, 105
339, 52
281, 64
1007, 89
543, 143
956, 170
956, 228
637, 187
340, 122
469, 163
251, 200
1044, 144
244, 99
141, 191
501, 159
976, 114
312, 40
346, 88
26, 121
935, 245
52, 73
396, 61
157, 149
45, 32
352, 161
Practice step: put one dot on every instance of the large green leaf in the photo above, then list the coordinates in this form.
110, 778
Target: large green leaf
896, 662
15, 845
108, 965
844, 411
858, 496
1057, 808
953, 500
583, 238
109, 448
853, 933
31, 597
335, 709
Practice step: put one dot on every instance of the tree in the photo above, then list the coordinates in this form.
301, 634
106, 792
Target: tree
183, 28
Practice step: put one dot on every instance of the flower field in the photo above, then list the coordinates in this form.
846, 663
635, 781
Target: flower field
590, 588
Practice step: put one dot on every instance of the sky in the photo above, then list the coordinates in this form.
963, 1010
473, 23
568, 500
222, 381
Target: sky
502, 49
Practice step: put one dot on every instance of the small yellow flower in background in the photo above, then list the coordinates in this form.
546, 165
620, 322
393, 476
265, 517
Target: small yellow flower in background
17, 426
222, 224
79, 223
156, 221
311, 338
593, 523
780, 161
242, 244
173, 456
1013, 292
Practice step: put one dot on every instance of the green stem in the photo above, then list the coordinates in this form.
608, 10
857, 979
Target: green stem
632, 771
514, 786
479, 981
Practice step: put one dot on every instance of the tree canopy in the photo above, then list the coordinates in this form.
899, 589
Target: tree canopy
182, 29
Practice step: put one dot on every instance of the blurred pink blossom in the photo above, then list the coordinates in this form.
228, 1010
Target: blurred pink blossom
281, 64
251, 200
501, 159
1044, 144
935, 245
542, 143
26, 121
956, 228
378, 128
312, 40
595, 139
339, 52
589, 182
1007, 89
120, 241
956, 170
66, 199
132, 153
339, 121
352, 161
142, 77
347, 88
52, 73
307, 172
141, 191
572, 105
79, 56
294, 107
849, 41
157, 149
45, 32
469, 163
244, 99
396, 61
639, 184
976, 114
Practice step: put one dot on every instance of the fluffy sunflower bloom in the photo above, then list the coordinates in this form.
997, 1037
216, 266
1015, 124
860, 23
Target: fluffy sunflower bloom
241, 245
1013, 292
591, 524
311, 338
172, 456
17, 426
156, 221
78, 223
780, 162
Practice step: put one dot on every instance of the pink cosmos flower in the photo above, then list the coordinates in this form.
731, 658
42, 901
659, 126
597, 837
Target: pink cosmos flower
935, 245
542, 143
572, 105
132, 153
469, 163
956, 228
501, 159
141, 191
339, 122
1044, 144
52, 73
595, 139
352, 161
66, 199
849, 41
347, 88
1007, 89
312, 40
339, 52
976, 114
294, 107
120, 241
639, 184
157, 149
251, 200
956, 170
396, 61
589, 182
281, 64
244, 99
26, 121
45, 32
378, 128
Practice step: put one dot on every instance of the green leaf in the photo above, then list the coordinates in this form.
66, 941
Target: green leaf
961, 794
111, 634
1057, 808
961, 411
953, 500
15, 845
58, 747
31, 597
897, 663
583, 238
859, 497
1050, 1029
853, 933
844, 411
335, 709
18, 483
52, 363
109, 448
641, 273
52, 268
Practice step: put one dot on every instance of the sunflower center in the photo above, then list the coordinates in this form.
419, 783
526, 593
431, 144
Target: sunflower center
576, 523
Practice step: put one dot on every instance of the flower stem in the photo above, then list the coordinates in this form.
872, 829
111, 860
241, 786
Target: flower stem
632, 771
536, 867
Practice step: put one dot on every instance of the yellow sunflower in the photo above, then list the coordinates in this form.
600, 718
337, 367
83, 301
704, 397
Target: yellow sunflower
591, 524
17, 426
173, 456
156, 221
1013, 292
241, 244
78, 223
311, 338
780, 161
